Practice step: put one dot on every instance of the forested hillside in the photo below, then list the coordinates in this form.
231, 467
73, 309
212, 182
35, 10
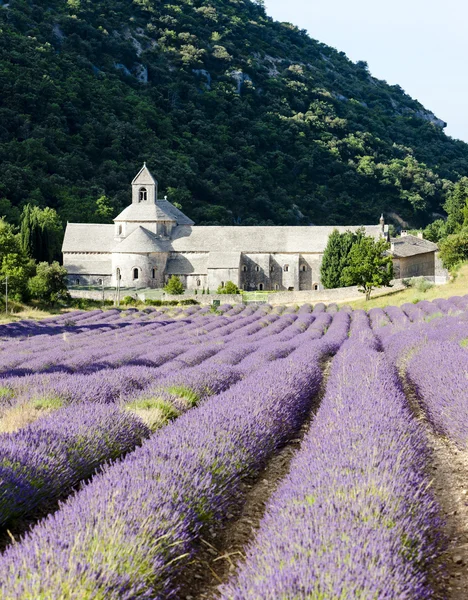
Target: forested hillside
243, 120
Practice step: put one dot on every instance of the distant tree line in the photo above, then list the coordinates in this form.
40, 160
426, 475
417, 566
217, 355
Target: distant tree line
452, 233
243, 119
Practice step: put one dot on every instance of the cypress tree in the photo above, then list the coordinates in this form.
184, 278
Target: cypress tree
26, 231
330, 271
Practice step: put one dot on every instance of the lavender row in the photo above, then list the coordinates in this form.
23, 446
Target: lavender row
132, 529
135, 347
46, 460
354, 517
443, 391
49, 458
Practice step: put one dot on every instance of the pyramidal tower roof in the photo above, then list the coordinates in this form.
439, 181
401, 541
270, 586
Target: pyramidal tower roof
148, 208
144, 177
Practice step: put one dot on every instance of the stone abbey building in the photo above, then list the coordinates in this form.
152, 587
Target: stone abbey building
152, 240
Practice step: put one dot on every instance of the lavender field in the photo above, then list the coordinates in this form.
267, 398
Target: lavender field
132, 443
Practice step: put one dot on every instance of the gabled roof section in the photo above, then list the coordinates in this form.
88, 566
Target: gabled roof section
162, 210
144, 177
140, 241
410, 245
258, 239
88, 237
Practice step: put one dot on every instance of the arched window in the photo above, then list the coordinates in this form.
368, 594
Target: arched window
303, 268
257, 268
276, 286
244, 268
135, 273
120, 229
272, 269
286, 267
222, 283
99, 281
316, 287
198, 282
153, 273
77, 282
260, 287
142, 195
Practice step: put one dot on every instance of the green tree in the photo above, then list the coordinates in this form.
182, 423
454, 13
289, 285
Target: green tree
14, 263
50, 283
174, 286
456, 205
454, 248
336, 257
435, 231
369, 266
41, 233
229, 288
104, 210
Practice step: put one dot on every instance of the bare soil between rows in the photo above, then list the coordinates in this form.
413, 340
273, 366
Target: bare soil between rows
222, 550
449, 474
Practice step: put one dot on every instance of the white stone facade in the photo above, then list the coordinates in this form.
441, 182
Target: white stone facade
151, 240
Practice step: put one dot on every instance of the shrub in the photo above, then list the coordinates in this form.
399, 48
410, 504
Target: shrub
153, 302
421, 284
50, 283
229, 288
174, 286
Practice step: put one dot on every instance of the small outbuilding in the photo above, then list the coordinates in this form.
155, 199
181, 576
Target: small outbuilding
414, 256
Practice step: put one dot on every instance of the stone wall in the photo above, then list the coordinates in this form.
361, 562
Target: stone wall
94, 294
419, 265
205, 298
337, 295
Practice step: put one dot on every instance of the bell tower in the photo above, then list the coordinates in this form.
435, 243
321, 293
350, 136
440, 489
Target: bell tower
144, 188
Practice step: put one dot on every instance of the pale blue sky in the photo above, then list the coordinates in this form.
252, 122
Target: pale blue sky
421, 45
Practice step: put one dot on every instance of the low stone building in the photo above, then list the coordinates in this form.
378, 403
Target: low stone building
152, 240
413, 256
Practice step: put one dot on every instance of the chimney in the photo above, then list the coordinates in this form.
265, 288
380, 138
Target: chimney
420, 235
403, 233
392, 246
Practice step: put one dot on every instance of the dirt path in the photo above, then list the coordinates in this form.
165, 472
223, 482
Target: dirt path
220, 552
449, 474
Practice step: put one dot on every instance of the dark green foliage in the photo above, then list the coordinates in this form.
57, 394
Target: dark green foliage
456, 207
14, 263
41, 233
369, 266
174, 286
244, 120
454, 248
436, 231
336, 257
228, 288
49, 284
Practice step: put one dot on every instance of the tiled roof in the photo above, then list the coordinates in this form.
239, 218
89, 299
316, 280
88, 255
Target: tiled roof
141, 241
410, 245
308, 239
88, 237
144, 177
162, 210
92, 267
